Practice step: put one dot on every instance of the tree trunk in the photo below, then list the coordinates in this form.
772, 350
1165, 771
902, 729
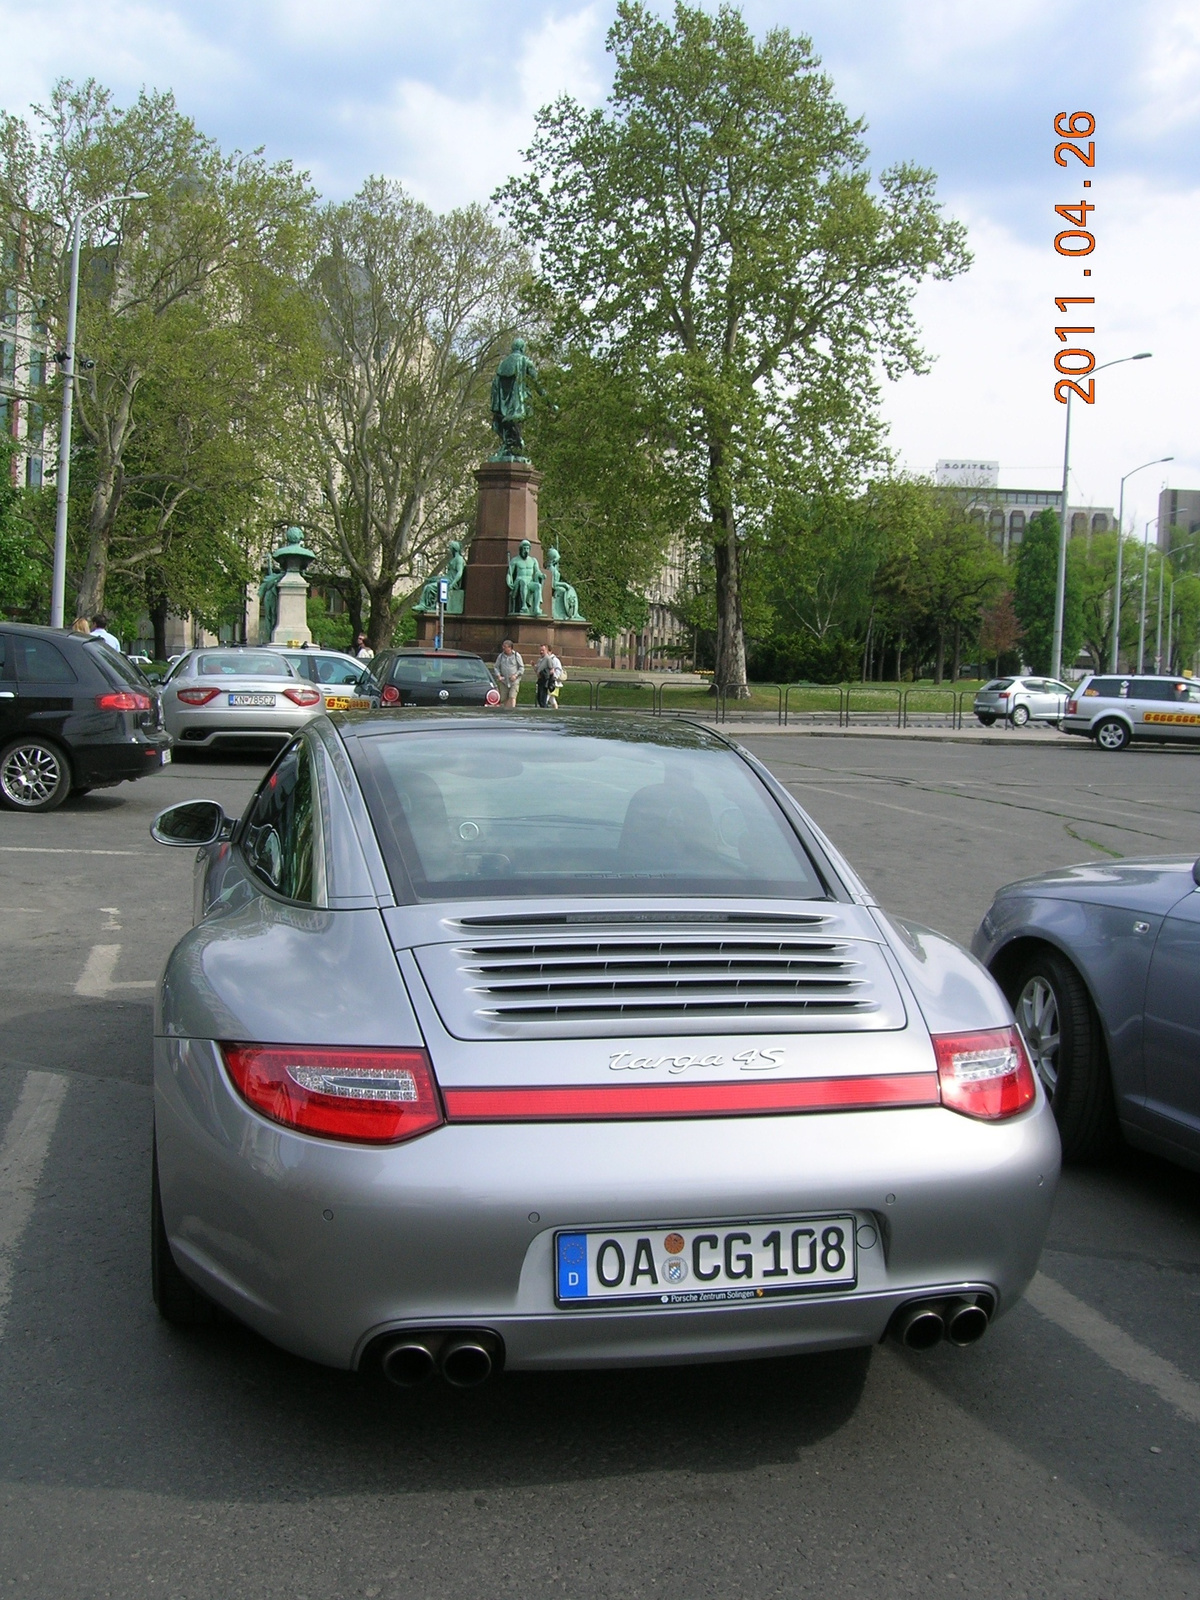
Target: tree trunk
156, 606
939, 668
954, 675
382, 623
899, 656
730, 666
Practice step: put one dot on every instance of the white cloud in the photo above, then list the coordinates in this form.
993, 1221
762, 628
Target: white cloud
991, 392
459, 148
1169, 75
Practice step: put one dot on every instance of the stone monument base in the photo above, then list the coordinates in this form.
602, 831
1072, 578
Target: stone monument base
292, 626
485, 635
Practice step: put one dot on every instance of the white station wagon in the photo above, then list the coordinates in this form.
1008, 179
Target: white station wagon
1114, 710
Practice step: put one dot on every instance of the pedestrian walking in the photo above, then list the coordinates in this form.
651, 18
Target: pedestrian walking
362, 649
510, 669
549, 676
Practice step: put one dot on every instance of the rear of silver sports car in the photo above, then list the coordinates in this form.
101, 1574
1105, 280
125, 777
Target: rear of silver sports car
612, 1136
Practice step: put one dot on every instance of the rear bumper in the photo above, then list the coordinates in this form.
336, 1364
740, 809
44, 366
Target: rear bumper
322, 1247
97, 765
228, 728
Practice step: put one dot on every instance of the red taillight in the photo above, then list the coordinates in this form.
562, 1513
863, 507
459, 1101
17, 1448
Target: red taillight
366, 1096
609, 1103
492, 697
303, 695
390, 694
123, 700
985, 1074
197, 697
1072, 707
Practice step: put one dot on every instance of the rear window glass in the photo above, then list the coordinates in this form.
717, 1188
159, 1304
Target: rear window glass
577, 811
413, 671
120, 666
241, 664
39, 661
998, 683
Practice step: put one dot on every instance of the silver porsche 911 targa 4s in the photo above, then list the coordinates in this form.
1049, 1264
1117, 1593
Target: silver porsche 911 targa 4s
569, 1041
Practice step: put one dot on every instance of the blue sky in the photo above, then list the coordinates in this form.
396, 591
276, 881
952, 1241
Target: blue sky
442, 97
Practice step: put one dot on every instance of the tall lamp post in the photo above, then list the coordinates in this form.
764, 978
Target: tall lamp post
67, 364
1060, 591
1116, 642
1141, 666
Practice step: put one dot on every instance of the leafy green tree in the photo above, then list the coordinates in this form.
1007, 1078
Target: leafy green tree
414, 311
716, 229
608, 500
189, 321
1034, 594
24, 572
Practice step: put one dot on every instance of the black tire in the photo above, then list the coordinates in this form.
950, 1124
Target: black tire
178, 1301
35, 774
1066, 1045
1110, 733
986, 718
1020, 716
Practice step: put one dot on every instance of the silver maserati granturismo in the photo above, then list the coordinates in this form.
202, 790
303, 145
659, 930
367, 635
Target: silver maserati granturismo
569, 1041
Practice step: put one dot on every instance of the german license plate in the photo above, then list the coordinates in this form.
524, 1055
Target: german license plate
729, 1261
346, 702
251, 699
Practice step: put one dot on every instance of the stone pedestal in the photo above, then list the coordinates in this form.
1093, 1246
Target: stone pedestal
506, 513
292, 627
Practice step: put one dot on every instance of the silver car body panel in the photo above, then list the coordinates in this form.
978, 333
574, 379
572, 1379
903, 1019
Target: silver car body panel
323, 1246
1108, 920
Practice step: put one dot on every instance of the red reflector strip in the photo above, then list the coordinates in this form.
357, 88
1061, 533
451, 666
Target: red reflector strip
569, 1104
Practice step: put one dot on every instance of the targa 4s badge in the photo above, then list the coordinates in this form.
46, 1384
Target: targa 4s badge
747, 1060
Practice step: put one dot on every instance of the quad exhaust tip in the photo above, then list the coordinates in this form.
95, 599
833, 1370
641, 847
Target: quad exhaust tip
465, 1357
961, 1321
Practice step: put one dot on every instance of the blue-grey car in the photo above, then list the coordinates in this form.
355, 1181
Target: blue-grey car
569, 1041
1102, 966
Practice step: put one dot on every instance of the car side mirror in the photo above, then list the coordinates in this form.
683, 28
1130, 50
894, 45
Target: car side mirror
191, 824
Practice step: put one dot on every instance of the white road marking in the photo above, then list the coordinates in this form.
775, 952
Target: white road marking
96, 981
22, 1156
59, 850
1112, 1344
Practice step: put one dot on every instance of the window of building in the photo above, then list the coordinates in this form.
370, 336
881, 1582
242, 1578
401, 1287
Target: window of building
1016, 527
996, 526
1078, 524
40, 326
8, 361
8, 308
33, 472
1099, 523
37, 369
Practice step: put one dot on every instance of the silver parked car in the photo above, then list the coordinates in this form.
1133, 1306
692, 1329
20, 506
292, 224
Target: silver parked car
1114, 711
1102, 965
1021, 700
226, 695
572, 1042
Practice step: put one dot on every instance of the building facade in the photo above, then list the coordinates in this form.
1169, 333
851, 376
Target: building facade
25, 364
1178, 509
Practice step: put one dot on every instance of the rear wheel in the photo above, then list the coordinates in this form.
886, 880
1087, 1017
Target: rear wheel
1020, 716
1111, 734
986, 717
35, 775
177, 1300
1066, 1045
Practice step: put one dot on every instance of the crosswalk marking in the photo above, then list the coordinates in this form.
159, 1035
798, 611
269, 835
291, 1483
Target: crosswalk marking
22, 1156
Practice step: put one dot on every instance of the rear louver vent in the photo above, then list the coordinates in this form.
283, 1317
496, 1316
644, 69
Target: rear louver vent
577, 986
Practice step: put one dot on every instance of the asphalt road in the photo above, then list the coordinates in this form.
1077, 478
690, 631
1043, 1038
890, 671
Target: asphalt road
1058, 1457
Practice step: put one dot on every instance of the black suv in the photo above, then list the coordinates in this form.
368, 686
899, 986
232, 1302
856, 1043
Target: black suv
430, 678
74, 716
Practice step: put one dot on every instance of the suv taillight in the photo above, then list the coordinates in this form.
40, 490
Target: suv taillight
123, 700
197, 697
985, 1074
303, 695
365, 1096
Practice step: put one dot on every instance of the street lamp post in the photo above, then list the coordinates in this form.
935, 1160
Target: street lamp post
1060, 591
1116, 644
67, 363
1141, 666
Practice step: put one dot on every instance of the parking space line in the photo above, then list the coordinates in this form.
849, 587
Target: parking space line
1113, 1345
22, 1156
61, 850
96, 981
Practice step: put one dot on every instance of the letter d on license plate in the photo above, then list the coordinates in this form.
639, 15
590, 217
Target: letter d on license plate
729, 1261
